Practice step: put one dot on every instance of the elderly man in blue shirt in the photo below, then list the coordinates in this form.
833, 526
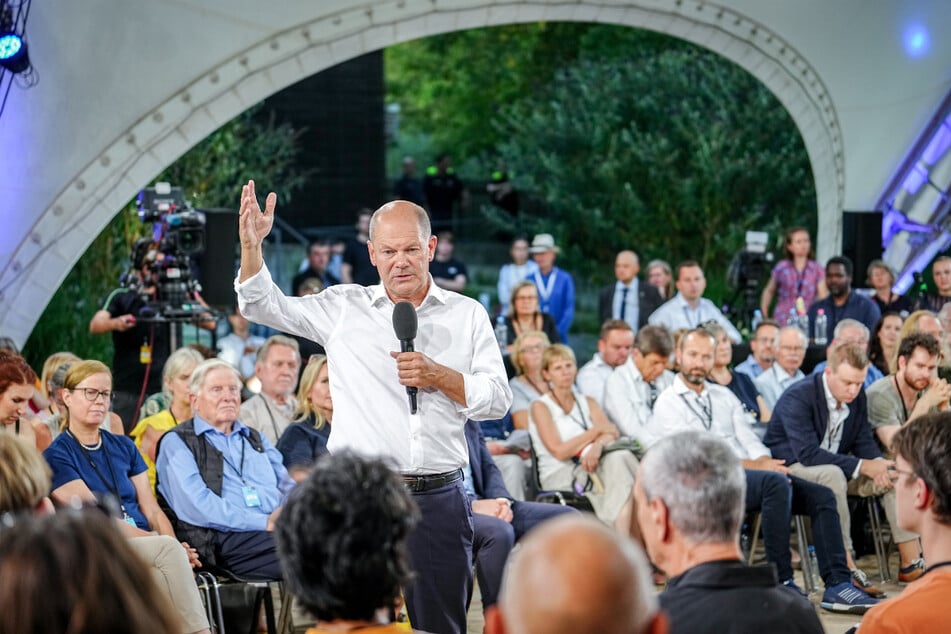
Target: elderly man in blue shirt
224, 481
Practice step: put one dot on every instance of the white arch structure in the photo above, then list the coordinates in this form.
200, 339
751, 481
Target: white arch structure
128, 87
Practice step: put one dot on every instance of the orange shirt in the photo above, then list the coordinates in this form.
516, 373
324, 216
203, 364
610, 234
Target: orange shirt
920, 609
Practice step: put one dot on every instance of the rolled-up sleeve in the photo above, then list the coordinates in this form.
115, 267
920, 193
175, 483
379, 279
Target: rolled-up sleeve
488, 394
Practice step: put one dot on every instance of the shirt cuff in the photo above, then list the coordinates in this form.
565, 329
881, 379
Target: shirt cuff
255, 287
858, 468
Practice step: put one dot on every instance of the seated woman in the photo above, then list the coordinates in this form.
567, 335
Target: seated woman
524, 315
570, 434
88, 461
111, 423
17, 384
740, 384
528, 383
306, 439
884, 343
175, 378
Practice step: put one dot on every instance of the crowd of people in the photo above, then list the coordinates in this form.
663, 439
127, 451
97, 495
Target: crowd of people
374, 472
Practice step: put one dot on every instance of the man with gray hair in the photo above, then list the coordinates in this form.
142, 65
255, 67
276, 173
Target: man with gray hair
594, 580
270, 411
223, 481
791, 344
851, 331
689, 493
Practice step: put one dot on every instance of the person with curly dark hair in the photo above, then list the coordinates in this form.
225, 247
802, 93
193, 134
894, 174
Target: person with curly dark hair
341, 539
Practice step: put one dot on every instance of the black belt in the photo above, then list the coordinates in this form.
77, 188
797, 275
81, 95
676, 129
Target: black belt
421, 483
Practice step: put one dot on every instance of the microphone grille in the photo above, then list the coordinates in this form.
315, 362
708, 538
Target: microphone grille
404, 320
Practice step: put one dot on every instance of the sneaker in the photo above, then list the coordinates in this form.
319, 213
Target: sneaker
860, 581
846, 598
791, 584
912, 571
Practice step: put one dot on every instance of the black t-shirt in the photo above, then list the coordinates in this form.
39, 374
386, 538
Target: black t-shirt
358, 257
447, 270
128, 372
442, 191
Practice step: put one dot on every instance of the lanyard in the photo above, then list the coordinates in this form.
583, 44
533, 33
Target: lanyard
706, 415
240, 471
901, 399
277, 433
114, 489
545, 289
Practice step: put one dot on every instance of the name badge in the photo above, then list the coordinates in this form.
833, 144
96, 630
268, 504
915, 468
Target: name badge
251, 498
128, 519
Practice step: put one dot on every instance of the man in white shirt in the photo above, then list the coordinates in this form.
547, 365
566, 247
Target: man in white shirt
790, 347
633, 387
694, 404
688, 308
272, 409
614, 348
456, 369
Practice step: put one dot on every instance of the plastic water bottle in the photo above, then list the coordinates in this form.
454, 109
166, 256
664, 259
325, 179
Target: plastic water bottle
814, 567
819, 330
502, 333
757, 319
793, 319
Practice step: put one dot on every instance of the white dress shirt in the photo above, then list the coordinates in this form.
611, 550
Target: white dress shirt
677, 313
592, 376
354, 324
773, 382
716, 409
628, 403
632, 303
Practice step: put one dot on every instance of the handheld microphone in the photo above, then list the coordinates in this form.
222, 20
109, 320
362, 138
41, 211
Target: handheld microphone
405, 325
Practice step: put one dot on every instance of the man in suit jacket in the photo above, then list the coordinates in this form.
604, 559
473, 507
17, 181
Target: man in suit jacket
820, 428
627, 298
497, 520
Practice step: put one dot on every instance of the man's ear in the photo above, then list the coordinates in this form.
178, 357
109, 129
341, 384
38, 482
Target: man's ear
660, 624
372, 252
493, 621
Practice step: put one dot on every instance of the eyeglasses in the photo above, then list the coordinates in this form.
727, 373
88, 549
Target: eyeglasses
532, 348
92, 394
894, 473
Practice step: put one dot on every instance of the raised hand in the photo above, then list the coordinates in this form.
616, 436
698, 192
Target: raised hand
255, 224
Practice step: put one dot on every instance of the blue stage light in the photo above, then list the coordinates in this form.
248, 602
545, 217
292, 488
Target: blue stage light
10, 45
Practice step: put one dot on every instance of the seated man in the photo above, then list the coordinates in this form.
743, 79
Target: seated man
271, 411
240, 347
689, 308
693, 404
346, 503
852, 331
498, 521
922, 478
689, 495
632, 389
762, 350
223, 481
791, 344
614, 348
820, 428
576, 576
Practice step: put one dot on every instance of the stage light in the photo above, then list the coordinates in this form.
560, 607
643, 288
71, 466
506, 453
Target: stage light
13, 53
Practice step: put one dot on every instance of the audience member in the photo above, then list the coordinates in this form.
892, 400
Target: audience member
741, 385
357, 267
881, 279
921, 321
306, 438
884, 343
633, 387
498, 520
224, 481
853, 332
272, 409
791, 344
627, 299
796, 275
762, 350
820, 428
240, 347
73, 573
342, 541
17, 382
524, 314
444, 192
111, 423
941, 273
912, 391
688, 308
46, 389
175, 378
318, 259
692, 404
594, 581
570, 435
842, 302
528, 384
514, 272
448, 272
556, 288
922, 479
689, 495
614, 348
408, 186
661, 277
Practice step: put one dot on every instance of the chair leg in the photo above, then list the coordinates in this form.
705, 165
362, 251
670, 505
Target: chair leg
208, 585
878, 537
808, 574
754, 539
285, 619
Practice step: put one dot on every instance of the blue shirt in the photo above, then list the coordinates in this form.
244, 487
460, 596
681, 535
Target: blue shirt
749, 367
185, 490
556, 296
857, 306
301, 443
116, 461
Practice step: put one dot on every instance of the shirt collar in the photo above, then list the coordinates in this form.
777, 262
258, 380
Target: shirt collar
680, 387
619, 285
202, 426
831, 403
378, 296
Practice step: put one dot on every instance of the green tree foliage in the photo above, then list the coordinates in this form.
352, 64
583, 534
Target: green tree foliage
211, 174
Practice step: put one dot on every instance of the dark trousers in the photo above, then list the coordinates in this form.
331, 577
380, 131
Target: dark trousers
440, 553
248, 554
494, 539
818, 502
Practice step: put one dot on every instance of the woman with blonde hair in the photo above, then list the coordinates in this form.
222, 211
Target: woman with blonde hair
661, 277
528, 383
306, 439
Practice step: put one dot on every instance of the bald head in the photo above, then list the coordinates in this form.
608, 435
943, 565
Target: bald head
400, 211
594, 581
626, 266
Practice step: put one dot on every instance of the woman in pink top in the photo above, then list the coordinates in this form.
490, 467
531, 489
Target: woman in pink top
797, 275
